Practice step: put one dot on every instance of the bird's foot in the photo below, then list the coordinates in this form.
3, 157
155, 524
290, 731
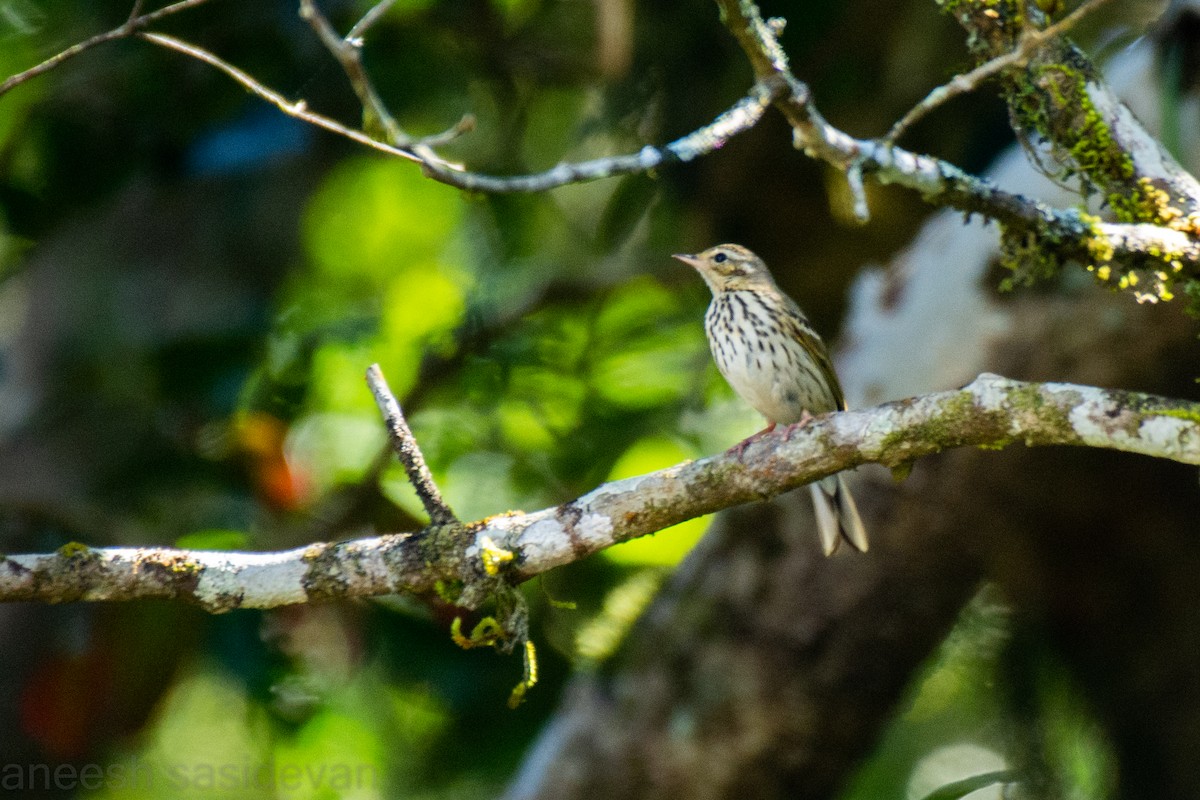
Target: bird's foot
740, 448
805, 418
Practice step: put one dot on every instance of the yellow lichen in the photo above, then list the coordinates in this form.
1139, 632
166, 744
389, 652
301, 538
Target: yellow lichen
494, 557
485, 634
529, 680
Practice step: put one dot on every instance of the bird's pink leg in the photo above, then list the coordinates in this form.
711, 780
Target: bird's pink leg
740, 448
805, 418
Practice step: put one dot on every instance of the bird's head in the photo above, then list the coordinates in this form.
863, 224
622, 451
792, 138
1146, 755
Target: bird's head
729, 268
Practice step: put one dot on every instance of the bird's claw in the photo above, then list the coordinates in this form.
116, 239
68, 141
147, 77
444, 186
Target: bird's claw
804, 420
740, 448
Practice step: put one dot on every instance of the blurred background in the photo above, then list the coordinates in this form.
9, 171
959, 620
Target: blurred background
192, 285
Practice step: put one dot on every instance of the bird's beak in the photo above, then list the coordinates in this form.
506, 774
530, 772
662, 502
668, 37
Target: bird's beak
690, 260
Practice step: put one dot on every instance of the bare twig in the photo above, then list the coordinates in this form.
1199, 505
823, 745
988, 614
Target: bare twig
405, 445
130, 26
368, 19
990, 412
738, 119
298, 109
348, 52
961, 84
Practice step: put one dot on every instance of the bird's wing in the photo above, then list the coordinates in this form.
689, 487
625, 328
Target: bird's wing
816, 347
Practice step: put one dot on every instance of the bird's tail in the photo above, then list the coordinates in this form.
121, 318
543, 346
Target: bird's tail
837, 515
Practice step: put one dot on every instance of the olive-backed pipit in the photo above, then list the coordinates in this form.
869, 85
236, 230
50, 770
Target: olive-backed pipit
767, 350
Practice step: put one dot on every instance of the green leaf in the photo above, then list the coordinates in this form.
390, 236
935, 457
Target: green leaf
957, 789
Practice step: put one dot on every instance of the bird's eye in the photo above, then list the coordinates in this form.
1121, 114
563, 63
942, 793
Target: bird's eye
720, 258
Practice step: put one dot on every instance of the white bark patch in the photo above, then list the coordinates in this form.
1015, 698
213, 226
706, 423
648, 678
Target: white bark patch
1144, 150
250, 580
595, 529
544, 541
1170, 435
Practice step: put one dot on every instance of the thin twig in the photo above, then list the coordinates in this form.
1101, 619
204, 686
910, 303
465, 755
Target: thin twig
136, 11
368, 19
348, 52
405, 445
130, 26
349, 55
298, 109
970, 81
738, 119
743, 116
858, 193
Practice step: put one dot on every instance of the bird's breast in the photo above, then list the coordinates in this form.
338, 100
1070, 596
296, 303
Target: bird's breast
763, 360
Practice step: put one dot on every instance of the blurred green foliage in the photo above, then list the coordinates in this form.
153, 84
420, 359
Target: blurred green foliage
993, 699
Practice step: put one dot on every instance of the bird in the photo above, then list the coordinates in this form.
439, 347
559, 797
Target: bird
771, 356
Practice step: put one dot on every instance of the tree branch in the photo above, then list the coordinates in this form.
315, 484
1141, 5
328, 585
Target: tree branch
1157, 203
134, 23
1132, 247
961, 84
409, 453
1058, 96
467, 559
298, 108
348, 52
738, 119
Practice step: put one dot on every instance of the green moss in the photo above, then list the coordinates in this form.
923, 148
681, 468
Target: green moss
1149, 202
1190, 413
1029, 257
439, 544
993, 25
1052, 102
449, 590
74, 550
324, 578
488, 632
941, 430
182, 565
1029, 399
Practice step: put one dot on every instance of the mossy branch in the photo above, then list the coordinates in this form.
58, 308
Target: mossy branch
1074, 127
1152, 245
467, 560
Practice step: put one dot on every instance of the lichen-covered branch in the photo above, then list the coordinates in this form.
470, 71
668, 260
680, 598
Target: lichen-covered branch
1058, 95
1027, 44
1074, 126
1146, 250
462, 563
